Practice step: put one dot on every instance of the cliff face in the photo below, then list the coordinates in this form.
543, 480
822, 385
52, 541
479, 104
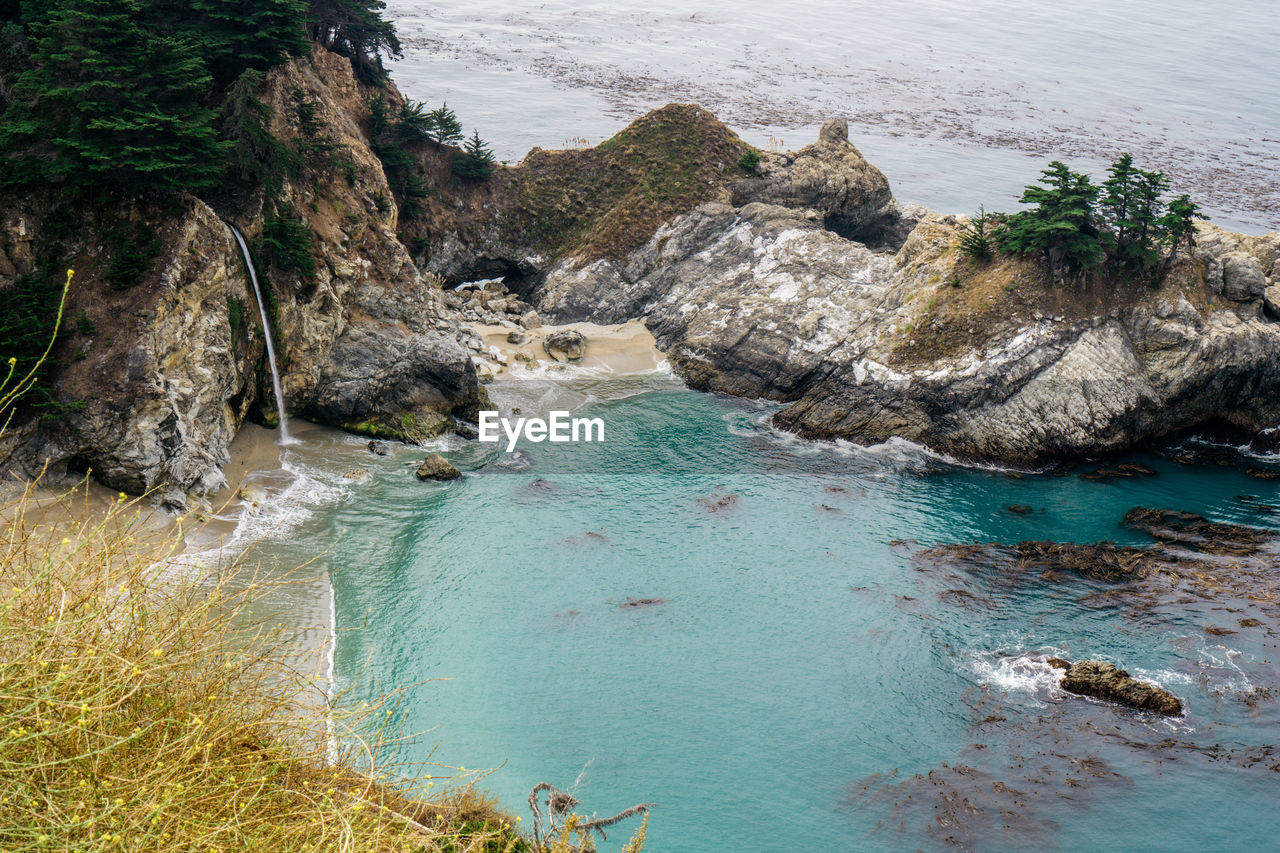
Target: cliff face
770, 297
368, 344
159, 376
797, 278
156, 379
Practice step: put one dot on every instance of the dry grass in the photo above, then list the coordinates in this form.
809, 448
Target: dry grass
141, 710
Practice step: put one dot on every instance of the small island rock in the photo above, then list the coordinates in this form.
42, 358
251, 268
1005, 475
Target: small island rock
436, 467
1102, 680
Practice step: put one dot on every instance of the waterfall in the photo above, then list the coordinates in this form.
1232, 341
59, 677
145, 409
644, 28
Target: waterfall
266, 331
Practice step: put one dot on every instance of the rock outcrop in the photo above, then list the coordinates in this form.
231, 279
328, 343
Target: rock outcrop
154, 381
565, 345
436, 467
986, 362
1104, 681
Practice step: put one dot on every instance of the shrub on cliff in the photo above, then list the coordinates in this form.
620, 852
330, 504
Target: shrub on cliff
287, 244
977, 239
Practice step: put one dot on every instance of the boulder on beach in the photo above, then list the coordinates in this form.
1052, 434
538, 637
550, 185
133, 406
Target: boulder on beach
436, 467
1102, 680
565, 345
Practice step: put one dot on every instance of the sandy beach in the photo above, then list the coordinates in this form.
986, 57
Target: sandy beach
623, 348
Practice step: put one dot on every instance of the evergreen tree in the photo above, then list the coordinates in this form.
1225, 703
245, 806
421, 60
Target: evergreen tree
475, 161
1117, 201
1062, 227
257, 157
445, 128
357, 30
1147, 215
1178, 225
976, 238
246, 34
108, 103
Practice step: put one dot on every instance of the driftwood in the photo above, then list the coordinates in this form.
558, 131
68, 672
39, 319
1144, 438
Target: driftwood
559, 806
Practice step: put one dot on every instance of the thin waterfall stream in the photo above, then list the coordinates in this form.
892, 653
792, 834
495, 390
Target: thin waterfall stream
266, 332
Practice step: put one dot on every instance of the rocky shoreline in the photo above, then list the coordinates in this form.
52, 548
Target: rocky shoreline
797, 278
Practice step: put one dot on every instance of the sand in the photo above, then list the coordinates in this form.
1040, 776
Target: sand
623, 348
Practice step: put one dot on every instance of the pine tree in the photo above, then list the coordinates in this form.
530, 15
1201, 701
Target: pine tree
475, 161
257, 157
246, 34
1062, 227
445, 127
107, 103
357, 30
1178, 225
1117, 201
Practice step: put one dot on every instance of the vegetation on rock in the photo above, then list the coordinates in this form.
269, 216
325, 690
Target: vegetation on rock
135, 97
1122, 227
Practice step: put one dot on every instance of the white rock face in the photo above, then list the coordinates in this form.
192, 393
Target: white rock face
764, 301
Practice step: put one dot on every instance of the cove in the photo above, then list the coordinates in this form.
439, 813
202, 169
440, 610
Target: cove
805, 676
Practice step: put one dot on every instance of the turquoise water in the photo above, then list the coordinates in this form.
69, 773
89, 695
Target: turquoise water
803, 665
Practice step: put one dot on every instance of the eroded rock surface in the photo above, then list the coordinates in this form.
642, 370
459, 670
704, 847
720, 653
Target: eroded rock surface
766, 297
1102, 680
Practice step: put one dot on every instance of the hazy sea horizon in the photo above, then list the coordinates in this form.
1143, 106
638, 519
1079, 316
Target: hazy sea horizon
960, 105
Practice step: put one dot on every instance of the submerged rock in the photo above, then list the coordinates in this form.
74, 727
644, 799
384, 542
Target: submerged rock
436, 467
1102, 680
565, 345
378, 448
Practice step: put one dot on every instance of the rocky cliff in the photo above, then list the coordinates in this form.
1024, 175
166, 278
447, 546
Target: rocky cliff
795, 277
154, 380
811, 286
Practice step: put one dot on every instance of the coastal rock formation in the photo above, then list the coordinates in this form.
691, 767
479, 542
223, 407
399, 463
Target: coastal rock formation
157, 378
154, 380
830, 177
1104, 681
436, 467
985, 362
565, 345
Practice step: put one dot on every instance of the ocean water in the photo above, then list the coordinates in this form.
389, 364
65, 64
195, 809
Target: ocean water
808, 679
959, 104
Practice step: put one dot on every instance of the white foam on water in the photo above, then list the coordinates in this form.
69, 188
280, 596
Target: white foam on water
1024, 673
1221, 672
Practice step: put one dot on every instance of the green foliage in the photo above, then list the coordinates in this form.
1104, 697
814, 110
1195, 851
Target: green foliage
108, 103
287, 244
1062, 228
235, 317
236, 35
257, 157
390, 135
131, 96
357, 30
475, 161
1077, 226
749, 160
133, 248
977, 241
30, 313
85, 326
444, 127
1178, 225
